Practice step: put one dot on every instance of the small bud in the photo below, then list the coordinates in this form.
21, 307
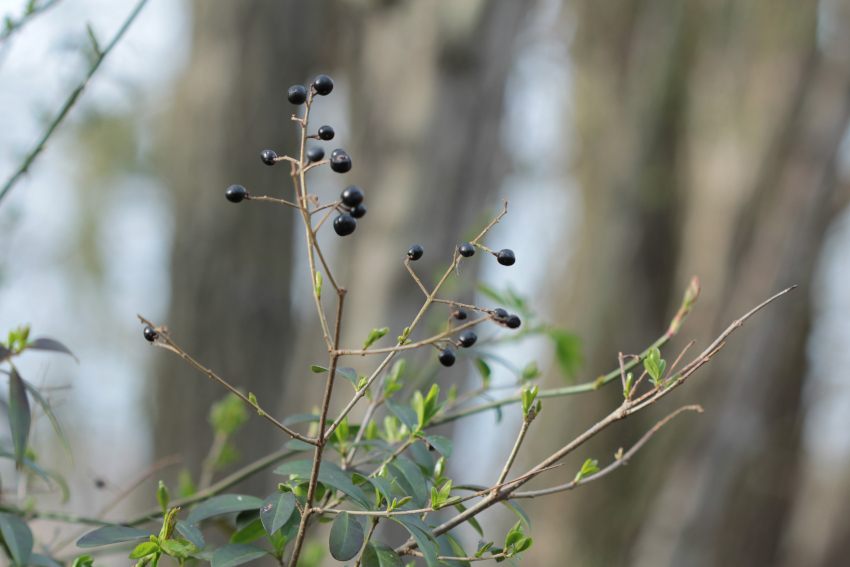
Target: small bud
163, 496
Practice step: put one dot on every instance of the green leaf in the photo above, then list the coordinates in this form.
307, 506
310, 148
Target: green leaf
588, 468
411, 480
374, 335
175, 549
112, 534
83, 561
57, 427
484, 369
29, 463
379, 554
252, 532
192, 534
346, 537
349, 374
224, 504
491, 293
144, 548
567, 351
18, 537
163, 496
383, 485
245, 517
515, 508
50, 344
20, 417
276, 510
446, 542
234, 554
330, 474
39, 560
524, 545
423, 538
318, 369
405, 414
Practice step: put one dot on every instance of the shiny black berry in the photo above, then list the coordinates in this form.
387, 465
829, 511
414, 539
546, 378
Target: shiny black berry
345, 224
340, 161
506, 257
352, 196
359, 211
466, 250
150, 334
500, 313
460, 315
268, 157
323, 85
468, 338
513, 322
326, 133
235, 193
415, 252
316, 153
447, 357
297, 95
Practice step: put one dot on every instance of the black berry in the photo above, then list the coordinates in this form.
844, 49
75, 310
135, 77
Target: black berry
513, 322
466, 250
460, 314
447, 357
297, 95
506, 257
415, 252
235, 193
316, 153
340, 161
323, 85
358, 211
500, 313
345, 224
99, 483
352, 195
468, 338
150, 334
268, 157
326, 133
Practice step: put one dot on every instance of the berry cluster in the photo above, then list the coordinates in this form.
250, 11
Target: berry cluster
505, 257
351, 205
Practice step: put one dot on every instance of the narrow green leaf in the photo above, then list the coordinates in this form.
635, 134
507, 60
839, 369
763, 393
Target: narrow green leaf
112, 534
175, 549
379, 554
144, 548
192, 534
424, 539
163, 496
224, 504
483, 369
567, 351
234, 554
18, 538
405, 414
39, 560
245, 517
20, 417
411, 480
471, 521
374, 335
57, 427
346, 537
276, 510
29, 463
250, 533
52, 345
516, 509
318, 369
330, 474
446, 543
349, 374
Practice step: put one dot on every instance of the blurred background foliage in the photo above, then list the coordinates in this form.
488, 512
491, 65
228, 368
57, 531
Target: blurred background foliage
639, 142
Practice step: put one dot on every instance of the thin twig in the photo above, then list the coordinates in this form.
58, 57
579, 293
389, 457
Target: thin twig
272, 200
409, 269
411, 346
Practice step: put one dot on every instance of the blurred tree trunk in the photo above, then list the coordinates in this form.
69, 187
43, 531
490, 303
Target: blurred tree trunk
709, 133
232, 264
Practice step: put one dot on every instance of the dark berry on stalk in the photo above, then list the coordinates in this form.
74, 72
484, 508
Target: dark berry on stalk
323, 85
415, 252
150, 334
468, 338
340, 161
466, 250
100, 483
268, 157
352, 195
235, 193
345, 224
500, 313
460, 314
506, 257
316, 153
326, 133
513, 322
359, 211
447, 356
297, 95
